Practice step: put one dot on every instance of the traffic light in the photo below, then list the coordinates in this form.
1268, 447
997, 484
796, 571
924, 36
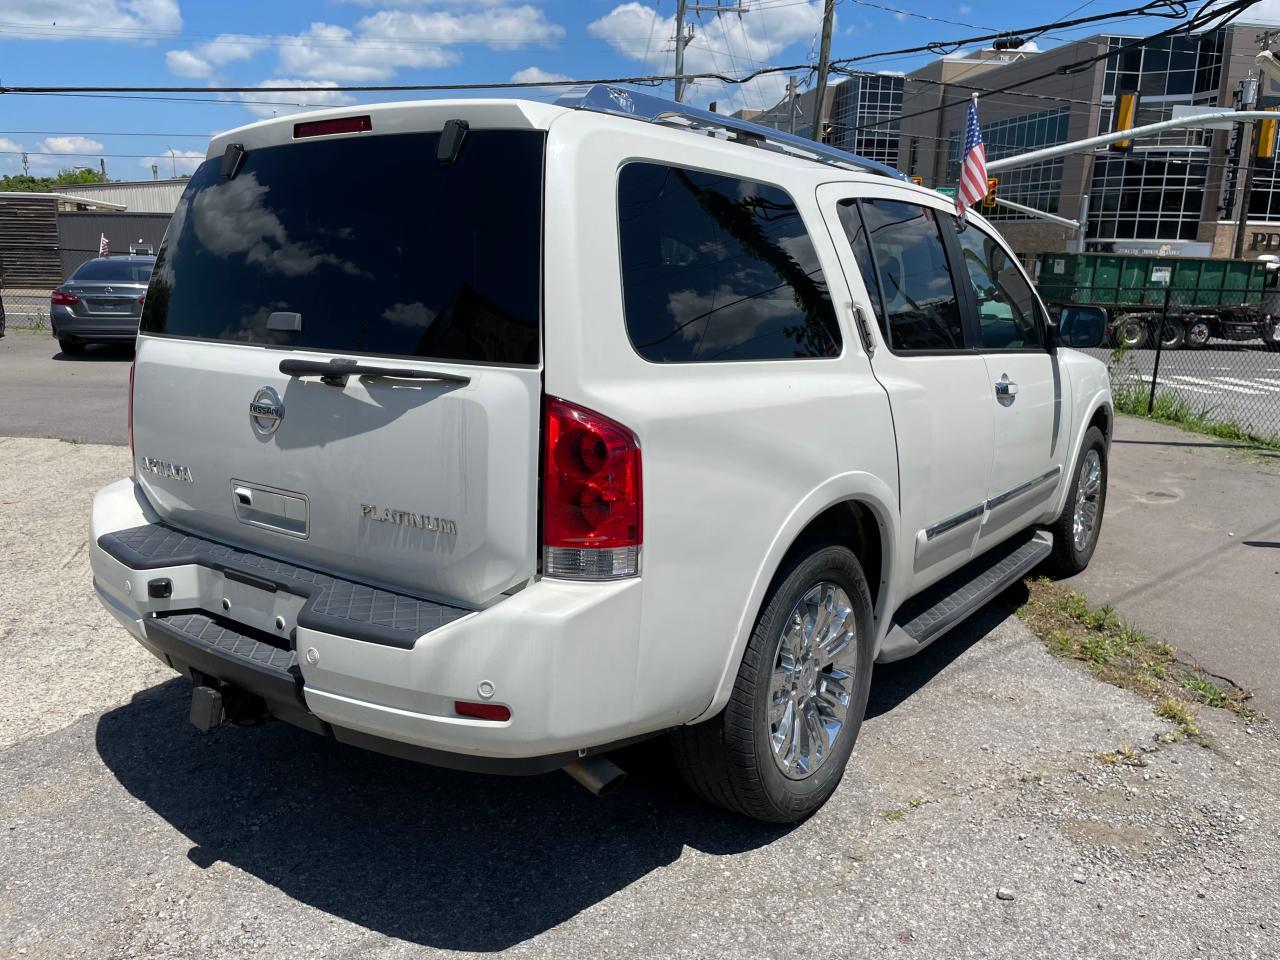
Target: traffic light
990, 199
1267, 137
918, 181
1124, 116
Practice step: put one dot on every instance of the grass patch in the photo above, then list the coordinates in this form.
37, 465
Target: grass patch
1123, 655
893, 816
74, 441
1170, 408
917, 802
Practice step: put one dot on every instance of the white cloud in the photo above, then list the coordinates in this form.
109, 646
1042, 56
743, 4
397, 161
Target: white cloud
202, 59
391, 39
173, 162
281, 104
129, 20
965, 8
537, 75
729, 45
70, 145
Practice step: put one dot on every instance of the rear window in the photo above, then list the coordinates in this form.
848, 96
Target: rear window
113, 271
378, 246
718, 268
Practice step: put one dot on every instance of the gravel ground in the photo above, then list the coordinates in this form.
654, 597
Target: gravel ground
124, 832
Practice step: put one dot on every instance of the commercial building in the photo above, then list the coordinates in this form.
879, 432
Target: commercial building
1175, 193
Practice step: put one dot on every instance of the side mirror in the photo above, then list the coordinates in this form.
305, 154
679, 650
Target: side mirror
1081, 327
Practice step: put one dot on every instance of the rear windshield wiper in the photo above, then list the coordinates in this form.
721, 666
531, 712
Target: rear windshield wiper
335, 372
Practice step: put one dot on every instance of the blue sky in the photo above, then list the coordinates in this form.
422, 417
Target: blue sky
206, 43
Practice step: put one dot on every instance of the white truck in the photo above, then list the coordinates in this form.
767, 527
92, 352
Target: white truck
613, 418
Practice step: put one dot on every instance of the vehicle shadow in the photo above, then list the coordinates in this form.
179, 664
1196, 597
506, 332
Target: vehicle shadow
97, 351
443, 859
894, 683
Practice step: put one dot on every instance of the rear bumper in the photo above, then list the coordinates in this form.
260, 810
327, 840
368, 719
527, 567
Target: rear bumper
67, 325
560, 655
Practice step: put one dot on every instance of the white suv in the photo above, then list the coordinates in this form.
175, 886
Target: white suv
580, 423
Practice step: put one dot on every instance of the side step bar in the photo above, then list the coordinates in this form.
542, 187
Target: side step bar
926, 617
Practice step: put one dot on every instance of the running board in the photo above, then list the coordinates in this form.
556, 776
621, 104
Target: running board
930, 614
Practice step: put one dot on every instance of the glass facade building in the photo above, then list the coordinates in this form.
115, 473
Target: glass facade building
1157, 190
1038, 185
863, 100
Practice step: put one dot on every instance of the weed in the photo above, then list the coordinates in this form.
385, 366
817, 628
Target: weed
893, 816
74, 441
1179, 713
917, 802
1123, 655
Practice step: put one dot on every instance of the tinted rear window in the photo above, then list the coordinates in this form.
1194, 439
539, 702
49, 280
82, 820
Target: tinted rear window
113, 271
381, 249
718, 268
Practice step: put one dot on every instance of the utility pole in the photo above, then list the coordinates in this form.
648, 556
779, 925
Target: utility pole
1248, 147
824, 64
1250, 87
791, 104
684, 35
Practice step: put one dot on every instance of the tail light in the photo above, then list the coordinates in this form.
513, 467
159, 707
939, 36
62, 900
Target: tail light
132, 369
591, 495
142, 299
61, 298
496, 712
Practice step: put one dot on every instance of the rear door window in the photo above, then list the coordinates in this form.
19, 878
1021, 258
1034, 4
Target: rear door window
381, 249
718, 268
920, 308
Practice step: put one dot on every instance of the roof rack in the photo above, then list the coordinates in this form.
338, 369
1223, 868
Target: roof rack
602, 98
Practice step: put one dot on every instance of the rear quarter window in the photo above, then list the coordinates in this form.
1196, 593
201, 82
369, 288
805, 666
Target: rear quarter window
718, 268
381, 248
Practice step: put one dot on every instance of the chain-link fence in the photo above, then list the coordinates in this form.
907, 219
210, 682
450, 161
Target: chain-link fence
1180, 360
25, 308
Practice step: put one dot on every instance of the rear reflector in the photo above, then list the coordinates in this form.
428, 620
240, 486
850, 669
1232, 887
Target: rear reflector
323, 128
591, 495
482, 711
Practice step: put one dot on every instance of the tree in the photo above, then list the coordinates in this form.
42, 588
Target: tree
22, 183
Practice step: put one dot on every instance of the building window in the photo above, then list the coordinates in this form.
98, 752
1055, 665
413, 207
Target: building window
1038, 185
1157, 196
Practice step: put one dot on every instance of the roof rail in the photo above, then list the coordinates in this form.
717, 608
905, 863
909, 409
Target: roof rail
602, 98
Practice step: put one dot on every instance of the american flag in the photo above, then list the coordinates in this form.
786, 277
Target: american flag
104, 248
973, 170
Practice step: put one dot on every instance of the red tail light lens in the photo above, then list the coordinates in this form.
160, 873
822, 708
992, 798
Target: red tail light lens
324, 128
142, 299
482, 711
64, 299
591, 495
132, 369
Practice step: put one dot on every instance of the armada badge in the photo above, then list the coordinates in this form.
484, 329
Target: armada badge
171, 471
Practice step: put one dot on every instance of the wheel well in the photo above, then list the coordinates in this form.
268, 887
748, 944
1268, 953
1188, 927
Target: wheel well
1102, 420
852, 524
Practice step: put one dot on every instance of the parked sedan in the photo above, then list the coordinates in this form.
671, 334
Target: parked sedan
101, 302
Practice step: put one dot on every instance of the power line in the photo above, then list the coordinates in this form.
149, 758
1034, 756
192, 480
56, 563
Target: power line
1156, 8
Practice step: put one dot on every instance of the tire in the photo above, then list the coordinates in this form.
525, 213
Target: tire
1070, 555
730, 760
1270, 331
1172, 335
1197, 334
72, 348
1131, 332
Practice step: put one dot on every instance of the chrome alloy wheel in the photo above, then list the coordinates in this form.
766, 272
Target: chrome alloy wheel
1088, 490
813, 677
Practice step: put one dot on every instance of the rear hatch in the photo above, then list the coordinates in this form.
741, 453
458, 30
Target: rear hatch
371, 250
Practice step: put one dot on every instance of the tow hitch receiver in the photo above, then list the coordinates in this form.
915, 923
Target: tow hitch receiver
207, 711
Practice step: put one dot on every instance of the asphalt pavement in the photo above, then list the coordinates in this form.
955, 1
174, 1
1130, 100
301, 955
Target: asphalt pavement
976, 819
1190, 550
45, 393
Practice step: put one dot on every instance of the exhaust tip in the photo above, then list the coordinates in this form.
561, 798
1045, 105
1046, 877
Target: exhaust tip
598, 774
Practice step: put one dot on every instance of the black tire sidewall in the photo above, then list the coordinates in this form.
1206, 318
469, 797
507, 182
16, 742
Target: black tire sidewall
1093, 440
793, 799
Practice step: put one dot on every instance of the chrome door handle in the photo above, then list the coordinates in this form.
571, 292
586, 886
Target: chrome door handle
1006, 389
